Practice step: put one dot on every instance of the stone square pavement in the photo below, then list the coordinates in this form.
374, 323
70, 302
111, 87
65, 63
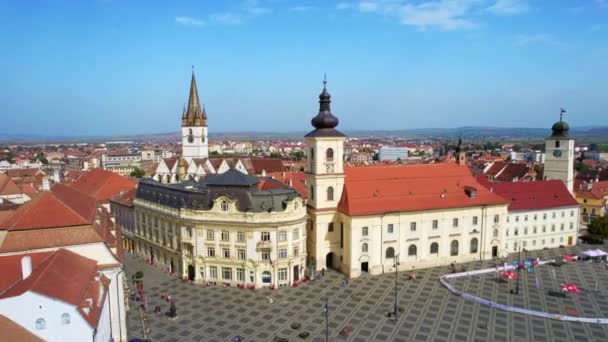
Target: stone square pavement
429, 311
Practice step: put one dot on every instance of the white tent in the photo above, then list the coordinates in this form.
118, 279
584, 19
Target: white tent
593, 253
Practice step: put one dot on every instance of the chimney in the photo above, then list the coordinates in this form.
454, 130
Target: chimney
26, 266
290, 183
263, 173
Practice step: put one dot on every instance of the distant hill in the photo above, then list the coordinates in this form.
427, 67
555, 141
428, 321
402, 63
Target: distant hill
470, 132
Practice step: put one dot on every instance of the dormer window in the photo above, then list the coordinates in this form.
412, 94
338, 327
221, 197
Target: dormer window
65, 318
224, 206
40, 324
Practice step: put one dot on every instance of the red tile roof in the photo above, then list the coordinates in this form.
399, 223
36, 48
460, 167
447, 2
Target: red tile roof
19, 173
380, 189
7, 186
102, 184
297, 180
45, 211
126, 198
11, 267
495, 168
23, 240
535, 195
269, 184
170, 162
512, 172
83, 204
12, 331
267, 164
598, 190
68, 277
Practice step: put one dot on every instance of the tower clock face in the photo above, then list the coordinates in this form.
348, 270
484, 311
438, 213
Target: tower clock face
330, 168
557, 153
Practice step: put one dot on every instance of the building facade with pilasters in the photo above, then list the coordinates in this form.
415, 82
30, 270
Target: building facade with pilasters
229, 229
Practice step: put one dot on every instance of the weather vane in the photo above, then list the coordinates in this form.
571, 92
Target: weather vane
561, 113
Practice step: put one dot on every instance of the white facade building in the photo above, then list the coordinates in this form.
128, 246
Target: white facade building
393, 153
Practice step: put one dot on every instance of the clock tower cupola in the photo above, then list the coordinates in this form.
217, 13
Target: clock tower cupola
559, 154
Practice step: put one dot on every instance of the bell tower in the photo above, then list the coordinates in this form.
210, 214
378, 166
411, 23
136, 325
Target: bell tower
194, 126
559, 154
325, 182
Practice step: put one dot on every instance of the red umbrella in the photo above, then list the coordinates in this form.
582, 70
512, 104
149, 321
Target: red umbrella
569, 257
510, 274
570, 287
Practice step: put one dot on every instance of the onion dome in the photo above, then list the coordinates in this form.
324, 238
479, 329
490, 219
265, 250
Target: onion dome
560, 129
325, 119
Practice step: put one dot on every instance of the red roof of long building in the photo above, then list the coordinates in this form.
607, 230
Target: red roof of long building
102, 184
375, 189
7, 186
535, 195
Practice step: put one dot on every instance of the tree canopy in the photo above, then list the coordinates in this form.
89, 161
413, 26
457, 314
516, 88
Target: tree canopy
598, 228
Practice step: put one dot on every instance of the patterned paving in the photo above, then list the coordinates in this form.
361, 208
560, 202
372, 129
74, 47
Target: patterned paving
430, 312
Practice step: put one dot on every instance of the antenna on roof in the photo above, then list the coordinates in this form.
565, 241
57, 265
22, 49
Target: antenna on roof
324, 80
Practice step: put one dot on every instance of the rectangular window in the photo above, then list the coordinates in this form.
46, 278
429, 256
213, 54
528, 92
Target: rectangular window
296, 251
507, 232
516, 232
240, 236
211, 252
571, 225
534, 230
535, 218
533, 242
282, 254
265, 236
282, 236
524, 244
213, 272
330, 227
526, 218
189, 231
496, 218
516, 218
544, 216
295, 234
563, 214
552, 227
544, 229
190, 249
225, 236
571, 213
226, 253
210, 235
553, 215
240, 274
282, 274
561, 227
226, 273
413, 226
508, 219
266, 255
556, 143
241, 254
390, 228
435, 224
455, 223
525, 230
364, 231
474, 220
552, 240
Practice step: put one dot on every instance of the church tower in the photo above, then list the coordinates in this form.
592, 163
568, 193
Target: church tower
461, 156
559, 154
325, 181
194, 127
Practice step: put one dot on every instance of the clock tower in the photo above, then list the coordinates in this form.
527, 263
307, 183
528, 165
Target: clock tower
325, 182
194, 127
559, 154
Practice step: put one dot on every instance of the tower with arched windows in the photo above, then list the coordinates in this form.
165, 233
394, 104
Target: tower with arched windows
559, 154
194, 126
325, 181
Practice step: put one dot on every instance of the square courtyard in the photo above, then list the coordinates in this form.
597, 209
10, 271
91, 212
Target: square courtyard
429, 312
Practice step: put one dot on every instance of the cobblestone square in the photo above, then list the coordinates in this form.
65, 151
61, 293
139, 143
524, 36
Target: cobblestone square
429, 311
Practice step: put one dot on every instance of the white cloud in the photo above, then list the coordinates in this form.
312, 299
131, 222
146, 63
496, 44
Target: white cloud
509, 7
369, 6
302, 8
189, 21
537, 39
226, 18
254, 7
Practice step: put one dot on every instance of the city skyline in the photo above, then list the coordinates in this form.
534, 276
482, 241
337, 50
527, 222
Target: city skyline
108, 68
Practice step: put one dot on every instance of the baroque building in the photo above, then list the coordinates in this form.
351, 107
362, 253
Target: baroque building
230, 228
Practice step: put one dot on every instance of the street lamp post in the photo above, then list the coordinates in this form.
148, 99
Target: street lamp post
326, 320
518, 267
396, 313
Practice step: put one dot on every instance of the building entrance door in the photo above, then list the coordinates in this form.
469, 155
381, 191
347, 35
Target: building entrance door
569, 240
190, 272
296, 273
494, 251
364, 267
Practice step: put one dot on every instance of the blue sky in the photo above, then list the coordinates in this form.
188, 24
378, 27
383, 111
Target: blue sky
121, 67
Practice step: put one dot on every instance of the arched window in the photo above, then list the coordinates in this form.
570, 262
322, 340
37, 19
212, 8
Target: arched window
454, 248
312, 153
65, 318
190, 136
364, 248
434, 248
330, 194
312, 192
329, 155
266, 277
40, 324
224, 206
390, 253
412, 250
474, 244
203, 138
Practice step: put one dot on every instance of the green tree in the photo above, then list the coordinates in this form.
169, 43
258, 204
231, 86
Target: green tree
580, 167
276, 155
297, 155
598, 228
138, 173
10, 157
593, 147
40, 156
215, 154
